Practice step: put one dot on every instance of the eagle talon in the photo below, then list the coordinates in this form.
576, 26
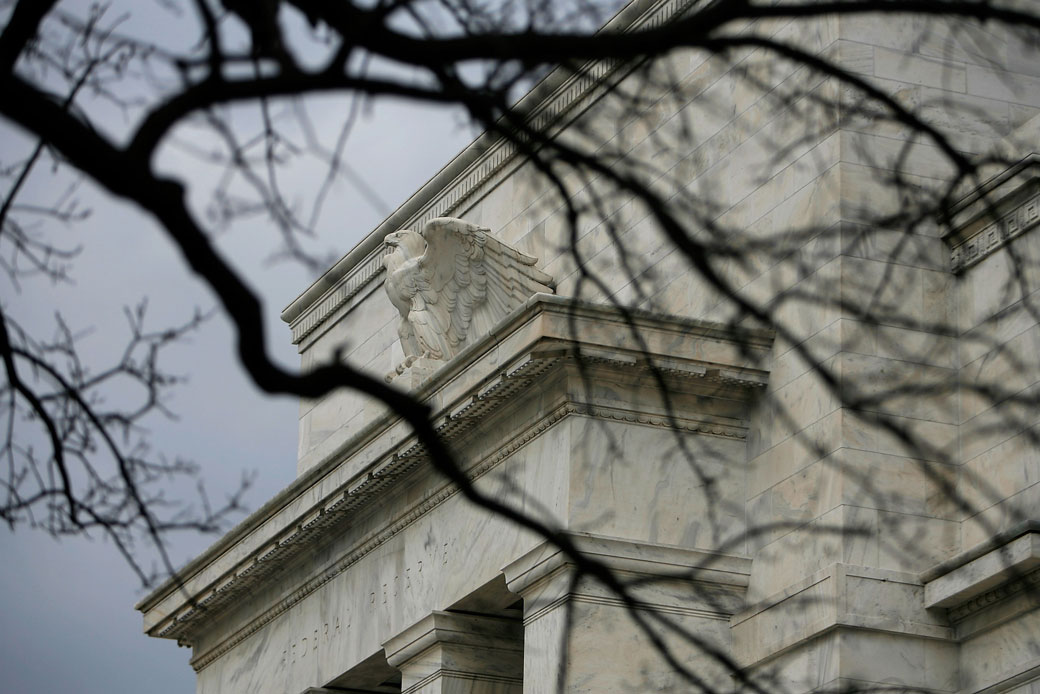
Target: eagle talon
400, 368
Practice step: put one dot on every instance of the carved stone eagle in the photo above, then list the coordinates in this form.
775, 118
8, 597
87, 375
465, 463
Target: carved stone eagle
452, 281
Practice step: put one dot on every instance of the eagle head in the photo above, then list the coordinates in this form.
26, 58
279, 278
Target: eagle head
406, 242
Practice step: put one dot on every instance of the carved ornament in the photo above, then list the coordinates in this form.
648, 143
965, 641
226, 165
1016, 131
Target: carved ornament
450, 282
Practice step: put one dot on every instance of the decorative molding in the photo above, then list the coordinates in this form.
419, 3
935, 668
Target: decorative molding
973, 247
694, 426
1029, 581
550, 116
351, 285
549, 336
1005, 537
477, 648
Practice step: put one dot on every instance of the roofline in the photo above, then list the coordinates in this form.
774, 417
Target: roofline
625, 18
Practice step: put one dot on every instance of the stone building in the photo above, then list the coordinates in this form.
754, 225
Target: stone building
816, 468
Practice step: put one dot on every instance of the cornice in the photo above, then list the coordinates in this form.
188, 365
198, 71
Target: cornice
1030, 581
995, 542
640, 605
631, 562
547, 560
981, 575
550, 106
1002, 209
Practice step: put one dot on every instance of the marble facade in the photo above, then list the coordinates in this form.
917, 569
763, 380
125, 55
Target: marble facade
845, 498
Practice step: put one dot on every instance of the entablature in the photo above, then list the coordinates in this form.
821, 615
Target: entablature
999, 211
519, 357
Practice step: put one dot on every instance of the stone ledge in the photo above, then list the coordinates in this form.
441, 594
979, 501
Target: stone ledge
1002, 682
1000, 565
667, 580
839, 596
666, 561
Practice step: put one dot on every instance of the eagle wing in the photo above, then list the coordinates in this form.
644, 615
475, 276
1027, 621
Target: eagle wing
467, 281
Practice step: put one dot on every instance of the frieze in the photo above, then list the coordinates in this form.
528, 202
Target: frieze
417, 511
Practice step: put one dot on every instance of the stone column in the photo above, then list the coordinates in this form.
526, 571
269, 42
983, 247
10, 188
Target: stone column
450, 653
579, 636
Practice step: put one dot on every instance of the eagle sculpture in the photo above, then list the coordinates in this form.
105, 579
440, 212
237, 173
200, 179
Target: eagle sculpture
452, 281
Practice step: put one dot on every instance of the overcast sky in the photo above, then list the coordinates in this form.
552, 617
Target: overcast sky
67, 621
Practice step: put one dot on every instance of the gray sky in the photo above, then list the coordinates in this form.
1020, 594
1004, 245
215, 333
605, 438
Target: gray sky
66, 607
